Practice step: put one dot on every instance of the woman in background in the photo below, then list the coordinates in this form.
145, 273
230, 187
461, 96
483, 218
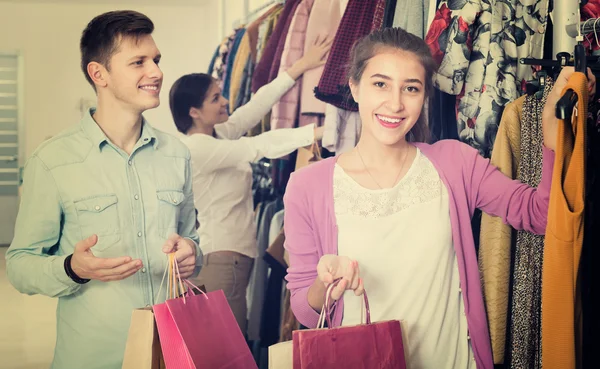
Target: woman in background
222, 175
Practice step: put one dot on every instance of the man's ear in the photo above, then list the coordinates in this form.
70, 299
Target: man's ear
97, 73
353, 89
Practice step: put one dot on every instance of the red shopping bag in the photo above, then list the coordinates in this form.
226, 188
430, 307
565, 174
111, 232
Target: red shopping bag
366, 346
200, 331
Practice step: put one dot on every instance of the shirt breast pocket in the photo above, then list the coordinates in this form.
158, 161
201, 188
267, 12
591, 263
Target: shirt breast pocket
169, 208
99, 215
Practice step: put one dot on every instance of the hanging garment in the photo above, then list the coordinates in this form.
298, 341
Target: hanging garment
323, 23
211, 66
285, 111
246, 51
264, 34
358, 20
564, 236
495, 238
442, 116
259, 277
476, 45
230, 59
342, 129
278, 57
525, 324
220, 63
411, 15
390, 12
267, 60
238, 70
590, 281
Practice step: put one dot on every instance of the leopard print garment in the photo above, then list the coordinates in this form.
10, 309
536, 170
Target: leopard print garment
525, 340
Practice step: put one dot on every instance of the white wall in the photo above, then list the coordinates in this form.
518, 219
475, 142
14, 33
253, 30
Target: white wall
48, 36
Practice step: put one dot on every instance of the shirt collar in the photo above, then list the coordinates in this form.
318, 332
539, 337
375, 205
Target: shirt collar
98, 137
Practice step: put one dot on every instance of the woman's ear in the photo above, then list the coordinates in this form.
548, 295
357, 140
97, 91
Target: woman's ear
353, 89
194, 113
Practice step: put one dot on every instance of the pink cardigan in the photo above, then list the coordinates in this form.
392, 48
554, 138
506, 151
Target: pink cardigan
284, 113
472, 182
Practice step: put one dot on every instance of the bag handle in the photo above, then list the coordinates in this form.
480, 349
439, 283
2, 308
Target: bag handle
175, 285
328, 309
316, 150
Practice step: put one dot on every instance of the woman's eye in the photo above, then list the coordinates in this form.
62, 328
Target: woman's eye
412, 89
139, 62
379, 84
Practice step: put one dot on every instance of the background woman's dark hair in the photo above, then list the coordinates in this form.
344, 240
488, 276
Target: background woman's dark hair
396, 38
100, 39
187, 92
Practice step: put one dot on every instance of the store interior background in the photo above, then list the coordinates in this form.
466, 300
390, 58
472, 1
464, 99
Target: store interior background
46, 34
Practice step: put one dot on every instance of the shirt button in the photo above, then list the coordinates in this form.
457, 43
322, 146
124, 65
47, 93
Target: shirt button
139, 234
136, 197
129, 162
460, 290
97, 207
143, 270
469, 338
147, 306
174, 201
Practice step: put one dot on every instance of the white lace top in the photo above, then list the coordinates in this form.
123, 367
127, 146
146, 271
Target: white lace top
402, 240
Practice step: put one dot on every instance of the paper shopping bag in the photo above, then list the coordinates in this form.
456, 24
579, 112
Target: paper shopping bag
308, 156
199, 331
281, 355
142, 350
372, 345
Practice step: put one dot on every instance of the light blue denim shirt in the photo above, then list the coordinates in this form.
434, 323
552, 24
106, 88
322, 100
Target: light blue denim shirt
78, 184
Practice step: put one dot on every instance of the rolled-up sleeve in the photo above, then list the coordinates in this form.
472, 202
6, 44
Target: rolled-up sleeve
31, 266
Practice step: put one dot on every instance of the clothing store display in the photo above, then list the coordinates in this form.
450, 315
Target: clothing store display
229, 71
220, 63
442, 116
495, 243
275, 63
285, 112
591, 238
245, 59
256, 293
564, 236
477, 47
525, 330
323, 23
395, 220
268, 60
475, 183
411, 16
222, 172
357, 22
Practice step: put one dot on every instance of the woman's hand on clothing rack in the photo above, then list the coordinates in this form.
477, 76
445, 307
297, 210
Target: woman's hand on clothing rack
313, 58
549, 120
329, 269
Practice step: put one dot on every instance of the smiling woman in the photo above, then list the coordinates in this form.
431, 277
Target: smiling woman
399, 211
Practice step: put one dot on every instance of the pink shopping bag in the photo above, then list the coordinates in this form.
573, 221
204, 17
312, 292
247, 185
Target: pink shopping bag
200, 332
366, 346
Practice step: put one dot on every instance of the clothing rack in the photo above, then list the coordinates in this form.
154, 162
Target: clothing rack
251, 14
587, 27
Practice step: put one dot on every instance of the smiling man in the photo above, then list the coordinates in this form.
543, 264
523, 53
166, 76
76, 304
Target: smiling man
104, 201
